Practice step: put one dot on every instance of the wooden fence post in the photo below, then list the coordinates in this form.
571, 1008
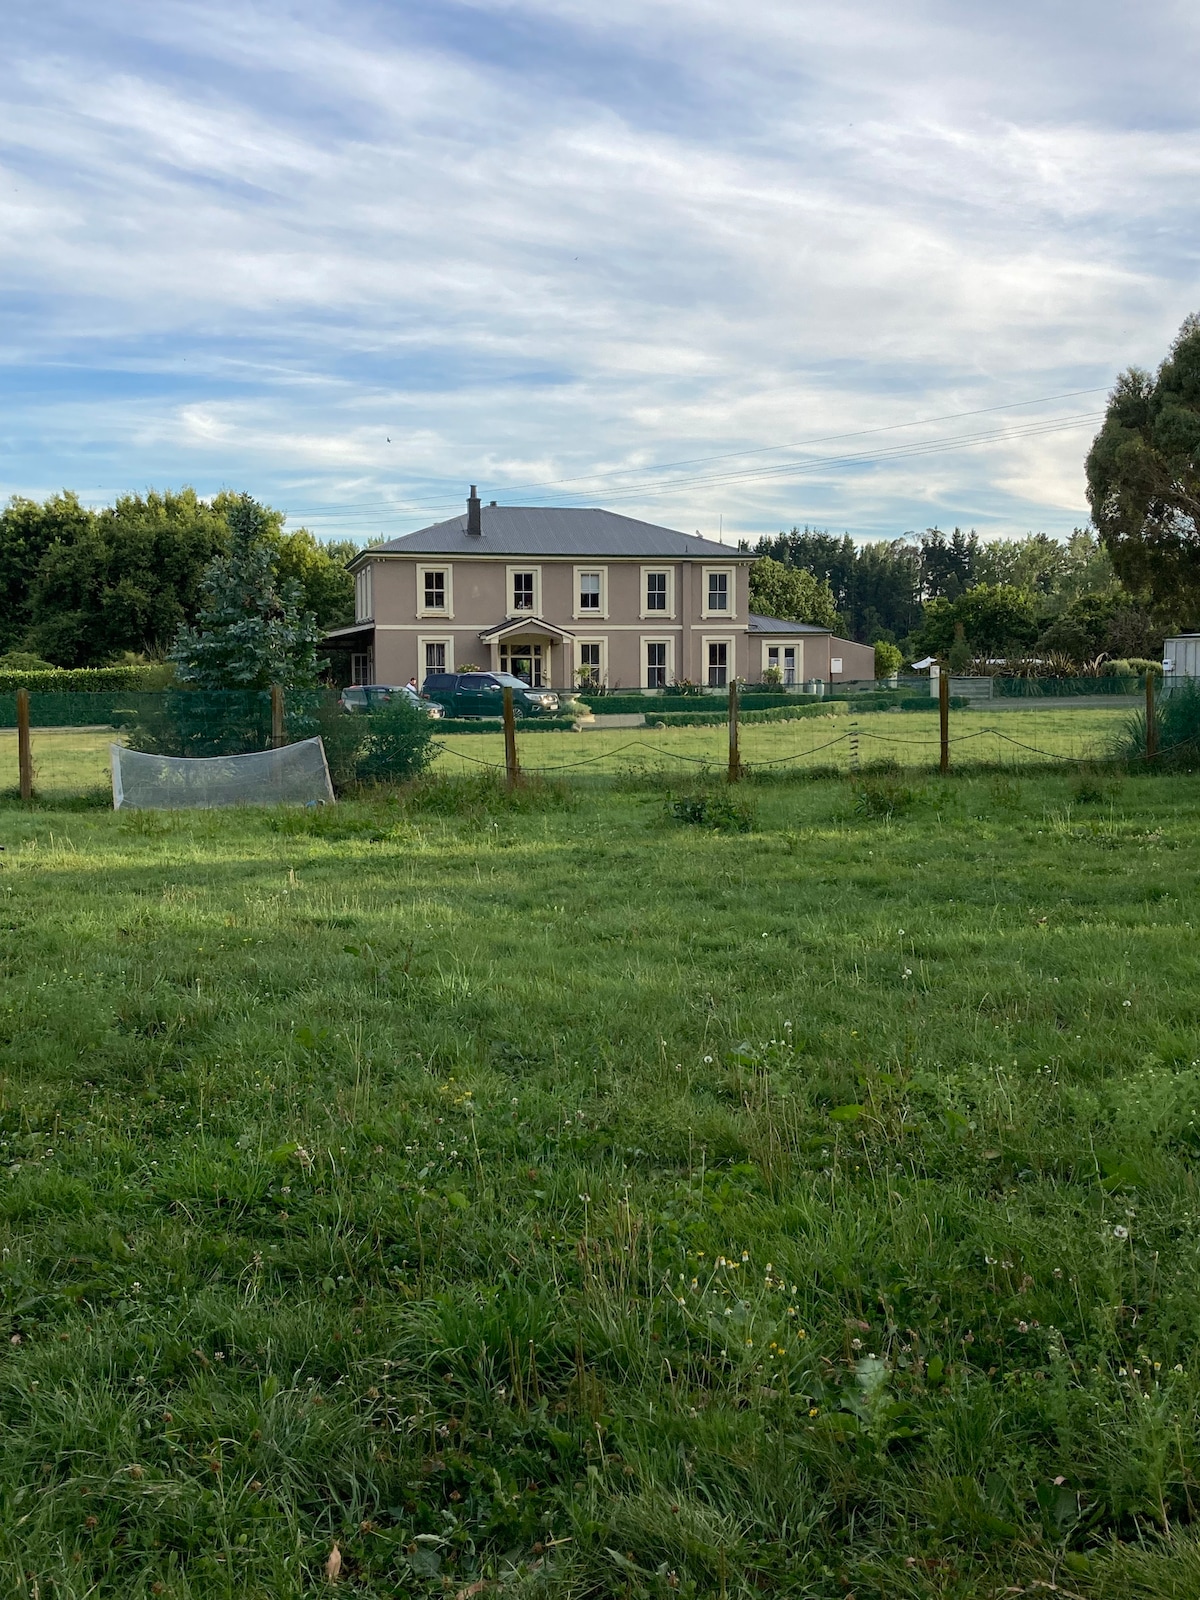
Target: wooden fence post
1151, 719
512, 771
944, 715
24, 749
278, 735
735, 760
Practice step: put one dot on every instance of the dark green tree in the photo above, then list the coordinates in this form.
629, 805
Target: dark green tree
790, 592
996, 620
126, 579
1143, 474
251, 631
28, 529
320, 570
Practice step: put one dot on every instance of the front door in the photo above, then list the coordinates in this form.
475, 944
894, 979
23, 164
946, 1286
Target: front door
523, 658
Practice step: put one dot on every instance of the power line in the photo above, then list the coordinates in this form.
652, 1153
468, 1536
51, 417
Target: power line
670, 466
821, 463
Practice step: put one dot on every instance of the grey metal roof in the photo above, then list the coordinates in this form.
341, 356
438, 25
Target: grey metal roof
782, 625
553, 531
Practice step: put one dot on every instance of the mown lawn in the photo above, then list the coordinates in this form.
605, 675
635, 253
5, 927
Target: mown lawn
571, 1202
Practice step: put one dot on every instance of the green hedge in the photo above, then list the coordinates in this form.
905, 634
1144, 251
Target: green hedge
87, 680
717, 718
624, 704
494, 725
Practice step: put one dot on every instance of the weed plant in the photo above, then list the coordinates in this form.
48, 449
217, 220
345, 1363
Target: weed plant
723, 809
547, 1202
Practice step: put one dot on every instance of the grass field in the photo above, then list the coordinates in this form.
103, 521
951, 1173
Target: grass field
562, 1201
75, 762
1005, 738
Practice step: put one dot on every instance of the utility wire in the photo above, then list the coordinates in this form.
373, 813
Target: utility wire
814, 465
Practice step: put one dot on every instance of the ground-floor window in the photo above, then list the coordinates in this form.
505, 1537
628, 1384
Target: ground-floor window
783, 659
656, 665
589, 668
435, 655
524, 661
718, 664
360, 666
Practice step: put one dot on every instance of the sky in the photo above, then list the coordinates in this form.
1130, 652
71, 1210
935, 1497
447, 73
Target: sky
870, 266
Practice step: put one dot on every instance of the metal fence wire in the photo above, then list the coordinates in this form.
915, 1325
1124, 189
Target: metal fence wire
989, 724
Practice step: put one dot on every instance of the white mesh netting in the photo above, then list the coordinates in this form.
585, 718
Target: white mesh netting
297, 774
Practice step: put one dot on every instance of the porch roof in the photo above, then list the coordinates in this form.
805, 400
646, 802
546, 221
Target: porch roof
515, 626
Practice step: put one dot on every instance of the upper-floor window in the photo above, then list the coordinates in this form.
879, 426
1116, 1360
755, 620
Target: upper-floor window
718, 591
522, 598
589, 591
435, 591
362, 594
656, 591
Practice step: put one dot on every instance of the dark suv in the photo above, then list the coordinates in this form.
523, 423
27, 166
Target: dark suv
481, 694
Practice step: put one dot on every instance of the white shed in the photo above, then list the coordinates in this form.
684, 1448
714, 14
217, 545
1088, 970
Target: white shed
1181, 656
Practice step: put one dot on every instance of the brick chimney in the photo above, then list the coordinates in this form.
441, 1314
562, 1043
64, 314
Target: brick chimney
474, 521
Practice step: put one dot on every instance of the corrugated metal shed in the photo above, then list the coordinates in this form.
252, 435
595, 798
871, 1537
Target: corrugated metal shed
550, 531
1181, 656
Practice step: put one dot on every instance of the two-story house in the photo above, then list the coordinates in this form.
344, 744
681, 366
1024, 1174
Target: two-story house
560, 596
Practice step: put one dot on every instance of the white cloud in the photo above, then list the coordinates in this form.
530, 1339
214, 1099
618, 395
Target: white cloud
247, 244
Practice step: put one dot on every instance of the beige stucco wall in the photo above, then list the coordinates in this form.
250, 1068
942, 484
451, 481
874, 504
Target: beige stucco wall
478, 600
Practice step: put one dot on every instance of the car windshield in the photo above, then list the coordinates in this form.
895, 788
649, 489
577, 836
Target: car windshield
509, 682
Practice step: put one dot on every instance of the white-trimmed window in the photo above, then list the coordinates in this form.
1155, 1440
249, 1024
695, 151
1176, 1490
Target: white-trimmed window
435, 591
658, 662
718, 662
591, 592
363, 610
360, 666
785, 658
658, 593
524, 591
591, 662
719, 592
434, 655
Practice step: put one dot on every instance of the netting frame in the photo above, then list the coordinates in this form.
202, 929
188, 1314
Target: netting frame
197, 779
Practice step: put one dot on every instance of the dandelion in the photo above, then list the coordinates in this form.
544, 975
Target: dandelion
800, 1333
1120, 1232
708, 1061
813, 1411
907, 973
1126, 1002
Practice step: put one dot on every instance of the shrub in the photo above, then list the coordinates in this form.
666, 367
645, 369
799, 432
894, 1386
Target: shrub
888, 659
399, 744
721, 809
1177, 715
882, 794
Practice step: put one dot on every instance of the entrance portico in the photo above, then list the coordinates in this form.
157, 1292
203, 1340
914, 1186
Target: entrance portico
537, 652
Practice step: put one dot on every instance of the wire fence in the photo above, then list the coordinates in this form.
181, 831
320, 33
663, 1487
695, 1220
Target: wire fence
989, 724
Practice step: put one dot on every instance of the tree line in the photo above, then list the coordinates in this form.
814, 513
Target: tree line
1115, 591
1001, 596
82, 587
